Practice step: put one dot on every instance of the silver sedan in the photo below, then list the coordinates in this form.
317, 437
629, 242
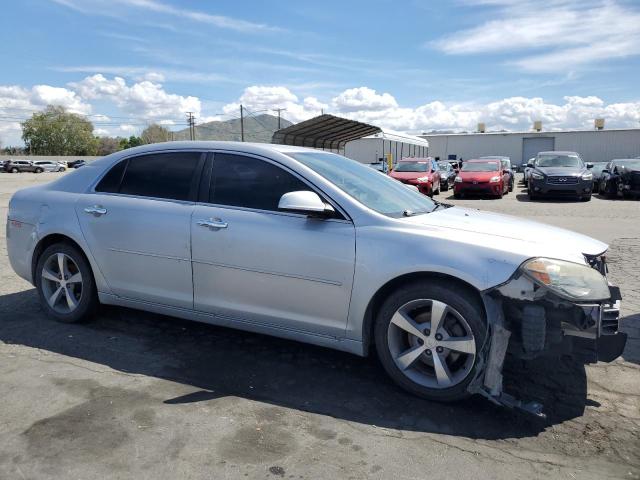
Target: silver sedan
311, 246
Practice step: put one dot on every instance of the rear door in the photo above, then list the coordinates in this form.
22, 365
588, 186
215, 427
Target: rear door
137, 225
266, 266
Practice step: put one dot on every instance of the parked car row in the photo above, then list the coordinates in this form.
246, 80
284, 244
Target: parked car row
486, 175
38, 166
566, 174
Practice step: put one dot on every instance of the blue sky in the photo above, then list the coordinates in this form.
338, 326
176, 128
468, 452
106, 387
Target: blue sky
406, 65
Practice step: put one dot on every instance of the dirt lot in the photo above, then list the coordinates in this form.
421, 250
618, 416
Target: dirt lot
135, 395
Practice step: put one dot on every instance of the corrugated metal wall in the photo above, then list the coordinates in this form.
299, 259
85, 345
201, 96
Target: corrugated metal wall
594, 146
370, 150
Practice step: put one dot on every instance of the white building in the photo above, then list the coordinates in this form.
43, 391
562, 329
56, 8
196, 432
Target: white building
592, 145
374, 148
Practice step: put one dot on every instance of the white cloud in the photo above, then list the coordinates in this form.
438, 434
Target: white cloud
145, 100
362, 98
265, 99
514, 113
106, 8
571, 33
18, 103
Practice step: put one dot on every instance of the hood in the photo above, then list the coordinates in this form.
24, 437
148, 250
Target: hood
409, 175
478, 176
566, 171
504, 232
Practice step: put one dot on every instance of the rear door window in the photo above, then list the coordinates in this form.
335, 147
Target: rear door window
159, 175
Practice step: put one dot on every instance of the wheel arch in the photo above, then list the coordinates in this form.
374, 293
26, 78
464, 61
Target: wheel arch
395, 283
51, 239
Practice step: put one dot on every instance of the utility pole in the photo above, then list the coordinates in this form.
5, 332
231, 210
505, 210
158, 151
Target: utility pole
241, 123
192, 125
279, 110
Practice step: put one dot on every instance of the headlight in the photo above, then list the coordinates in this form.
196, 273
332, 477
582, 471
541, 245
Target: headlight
494, 179
458, 180
423, 179
537, 175
587, 176
570, 280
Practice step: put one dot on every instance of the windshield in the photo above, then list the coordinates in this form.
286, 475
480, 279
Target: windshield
480, 167
378, 192
411, 167
558, 161
598, 167
630, 164
443, 167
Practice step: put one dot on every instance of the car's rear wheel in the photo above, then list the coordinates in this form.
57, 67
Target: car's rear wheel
14, 170
65, 284
39, 170
428, 337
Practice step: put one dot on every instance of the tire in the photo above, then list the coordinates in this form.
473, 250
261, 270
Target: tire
437, 192
38, 170
457, 195
445, 187
62, 169
586, 198
511, 186
15, 170
393, 342
84, 293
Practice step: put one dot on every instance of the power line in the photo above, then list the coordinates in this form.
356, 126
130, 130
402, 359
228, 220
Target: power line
192, 125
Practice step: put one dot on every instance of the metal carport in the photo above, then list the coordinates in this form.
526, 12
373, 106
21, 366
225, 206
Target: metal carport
327, 132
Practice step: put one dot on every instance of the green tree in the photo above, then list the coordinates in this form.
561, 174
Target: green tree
155, 133
54, 131
130, 142
108, 145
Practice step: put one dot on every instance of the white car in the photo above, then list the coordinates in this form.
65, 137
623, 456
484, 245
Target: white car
48, 166
309, 245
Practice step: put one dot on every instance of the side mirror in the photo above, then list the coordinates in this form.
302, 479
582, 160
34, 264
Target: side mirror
305, 202
605, 170
529, 165
589, 165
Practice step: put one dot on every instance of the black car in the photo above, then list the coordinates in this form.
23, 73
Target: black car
621, 177
597, 169
447, 175
560, 174
76, 164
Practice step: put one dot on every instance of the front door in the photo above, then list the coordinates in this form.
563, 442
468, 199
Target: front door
137, 225
257, 264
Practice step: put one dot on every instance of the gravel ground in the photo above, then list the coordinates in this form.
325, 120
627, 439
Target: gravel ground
136, 395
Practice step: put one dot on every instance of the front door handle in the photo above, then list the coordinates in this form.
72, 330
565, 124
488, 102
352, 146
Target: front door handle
213, 223
96, 210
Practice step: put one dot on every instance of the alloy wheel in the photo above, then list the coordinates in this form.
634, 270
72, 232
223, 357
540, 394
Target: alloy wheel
431, 343
62, 283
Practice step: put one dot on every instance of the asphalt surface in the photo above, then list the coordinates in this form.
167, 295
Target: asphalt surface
136, 395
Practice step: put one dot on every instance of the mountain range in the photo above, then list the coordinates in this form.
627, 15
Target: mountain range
258, 128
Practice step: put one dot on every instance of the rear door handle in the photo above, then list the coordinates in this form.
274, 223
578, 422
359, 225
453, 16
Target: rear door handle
96, 210
214, 223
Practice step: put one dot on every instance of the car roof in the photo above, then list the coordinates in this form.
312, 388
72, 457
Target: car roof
482, 160
417, 159
490, 157
624, 159
558, 152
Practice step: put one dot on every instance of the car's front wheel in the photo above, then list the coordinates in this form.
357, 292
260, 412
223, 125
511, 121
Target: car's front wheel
428, 337
65, 284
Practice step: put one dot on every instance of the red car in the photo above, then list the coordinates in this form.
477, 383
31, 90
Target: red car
421, 172
482, 177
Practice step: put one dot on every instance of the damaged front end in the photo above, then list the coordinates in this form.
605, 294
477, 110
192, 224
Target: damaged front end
529, 318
